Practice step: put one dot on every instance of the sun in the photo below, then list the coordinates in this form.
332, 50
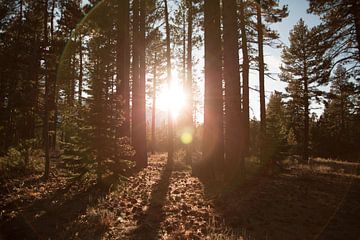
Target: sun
173, 99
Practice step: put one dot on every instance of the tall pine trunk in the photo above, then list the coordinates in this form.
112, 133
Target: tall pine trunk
153, 110
123, 64
142, 116
306, 117
260, 28
47, 93
135, 75
245, 75
188, 85
139, 121
53, 80
126, 83
234, 158
213, 148
168, 70
81, 70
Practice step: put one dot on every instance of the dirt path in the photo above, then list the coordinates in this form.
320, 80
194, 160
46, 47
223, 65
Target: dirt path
169, 203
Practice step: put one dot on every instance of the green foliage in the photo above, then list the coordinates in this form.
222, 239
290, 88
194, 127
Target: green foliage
24, 157
336, 133
276, 142
338, 32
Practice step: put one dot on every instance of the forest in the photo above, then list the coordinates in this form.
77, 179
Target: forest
153, 119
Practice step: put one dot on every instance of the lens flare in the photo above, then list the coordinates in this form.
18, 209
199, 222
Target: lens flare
186, 138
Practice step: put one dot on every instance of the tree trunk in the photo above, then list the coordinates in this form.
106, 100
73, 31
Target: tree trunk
153, 121
123, 63
245, 75
188, 87
125, 88
139, 108
168, 68
47, 91
184, 50
306, 117
80, 70
99, 123
234, 158
142, 95
53, 80
213, 148
261, 84
135, 72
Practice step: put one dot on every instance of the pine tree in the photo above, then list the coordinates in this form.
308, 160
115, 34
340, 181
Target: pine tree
213, 141
189, 78
276, 128
234, 156
272, 13
168, 63
156, 60
337, 131
123, 66
245, 76
300, 63
138, 85
339, 30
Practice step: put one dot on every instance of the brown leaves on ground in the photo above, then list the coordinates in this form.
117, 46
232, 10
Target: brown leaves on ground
167, 202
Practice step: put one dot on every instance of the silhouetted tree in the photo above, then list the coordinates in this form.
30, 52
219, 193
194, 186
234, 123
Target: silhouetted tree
213, 141
300, 63
168, 63
233, 143
138, 84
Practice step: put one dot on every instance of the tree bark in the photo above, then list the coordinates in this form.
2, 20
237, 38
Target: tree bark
153, 116
188, 87
306, 117
53, 80
135, 73
261, 84
47, 91
234, 158
213, 148
142, 130
168, 68
245, 75
139, 108
125, 88
80, 70
123, 64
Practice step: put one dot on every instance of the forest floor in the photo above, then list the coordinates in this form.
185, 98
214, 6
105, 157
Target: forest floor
317, 202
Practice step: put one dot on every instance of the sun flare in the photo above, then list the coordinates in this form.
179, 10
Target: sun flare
172, 99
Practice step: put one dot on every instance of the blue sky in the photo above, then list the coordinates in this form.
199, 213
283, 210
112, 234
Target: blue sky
297, 10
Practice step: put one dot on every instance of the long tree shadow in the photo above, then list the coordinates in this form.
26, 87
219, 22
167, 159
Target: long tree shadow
48, 217
149, 222
344, 222
288, 205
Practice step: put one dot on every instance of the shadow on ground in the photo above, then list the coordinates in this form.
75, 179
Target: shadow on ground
47, 217
149, 221
292, 205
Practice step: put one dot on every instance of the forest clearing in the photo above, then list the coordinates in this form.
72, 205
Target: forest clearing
179, 119
162, 203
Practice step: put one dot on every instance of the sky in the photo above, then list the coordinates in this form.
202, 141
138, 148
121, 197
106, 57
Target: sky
297, 10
